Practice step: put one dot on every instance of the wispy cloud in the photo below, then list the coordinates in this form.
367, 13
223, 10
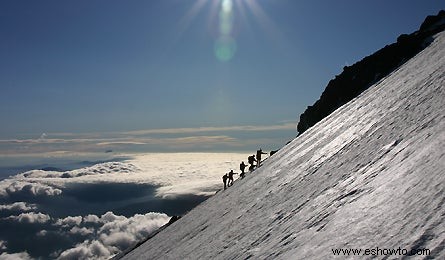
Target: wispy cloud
248, 128
196, 139
127, 142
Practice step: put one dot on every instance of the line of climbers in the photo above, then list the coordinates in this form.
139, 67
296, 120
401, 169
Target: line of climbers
228, 177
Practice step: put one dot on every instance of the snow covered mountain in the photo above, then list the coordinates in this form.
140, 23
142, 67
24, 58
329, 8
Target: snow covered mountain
369, 178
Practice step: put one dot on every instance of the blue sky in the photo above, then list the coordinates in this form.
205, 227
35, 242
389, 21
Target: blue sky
147, 75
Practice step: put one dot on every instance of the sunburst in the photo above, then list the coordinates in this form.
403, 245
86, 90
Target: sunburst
226, 14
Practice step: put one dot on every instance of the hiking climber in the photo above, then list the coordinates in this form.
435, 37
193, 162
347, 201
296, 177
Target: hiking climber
251, 160
230, 182
242, 166
225, 177
258, 157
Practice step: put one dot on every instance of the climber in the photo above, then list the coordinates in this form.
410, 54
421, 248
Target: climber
230, 182
242, 166
258, 157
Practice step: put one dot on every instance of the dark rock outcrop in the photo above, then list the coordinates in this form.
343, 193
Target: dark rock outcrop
363, 74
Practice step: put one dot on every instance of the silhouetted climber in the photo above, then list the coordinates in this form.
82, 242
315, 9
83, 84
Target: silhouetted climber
258, 157
231, 173
225, 177
251, 160
242, 166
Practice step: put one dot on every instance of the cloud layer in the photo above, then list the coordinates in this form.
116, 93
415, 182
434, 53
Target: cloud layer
87, 237
175, 173
109, 234
98, 211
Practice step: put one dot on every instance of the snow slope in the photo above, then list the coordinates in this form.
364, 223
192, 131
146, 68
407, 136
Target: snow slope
369, 176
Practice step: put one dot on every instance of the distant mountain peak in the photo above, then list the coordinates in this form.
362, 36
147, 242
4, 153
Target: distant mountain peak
357, 78
433, 22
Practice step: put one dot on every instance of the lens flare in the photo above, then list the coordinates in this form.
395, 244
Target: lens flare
225, 48
225, 17
225, 45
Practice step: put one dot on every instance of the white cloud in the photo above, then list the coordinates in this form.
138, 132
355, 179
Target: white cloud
69, 221
115, 234
19, 206
93, 236
87, 250
121, 231
121, 240
15, 256
91, 219
31, 217
81, 231
98, 169
10, 187
111, 217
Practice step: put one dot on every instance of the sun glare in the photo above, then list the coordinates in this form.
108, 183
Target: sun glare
228, 14
225, 45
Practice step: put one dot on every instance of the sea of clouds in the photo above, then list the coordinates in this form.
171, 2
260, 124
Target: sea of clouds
100, 210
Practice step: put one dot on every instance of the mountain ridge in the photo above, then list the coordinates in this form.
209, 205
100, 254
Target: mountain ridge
360, 76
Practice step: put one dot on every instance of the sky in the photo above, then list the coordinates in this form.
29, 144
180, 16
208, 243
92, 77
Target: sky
178, 75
